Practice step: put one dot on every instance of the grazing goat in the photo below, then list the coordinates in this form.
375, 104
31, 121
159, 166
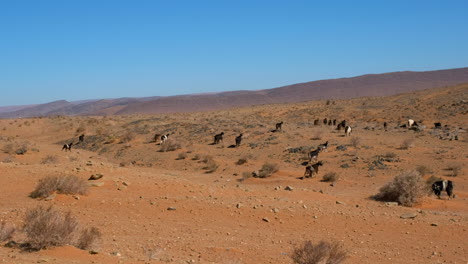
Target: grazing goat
67, 147
347, 131
385, 126
316, 122
412, 123
437, 125
325, 121
330, 122
279, 125
238, 140
218, 138
163, 139
323, 146
439, 186
314, 154
334, 122
312, 169
81, 138
341, 125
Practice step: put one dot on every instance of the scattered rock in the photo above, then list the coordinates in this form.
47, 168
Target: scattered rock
50, 197
289, 188
89, 163
389, 204
434, 224
408, 216
76, 197
115, 253
277, 188
171, 208
239, 205
95, 184
339, 202
93, 252
266, 220
344, 166
96, 176
341, 148
126, 183
275, 210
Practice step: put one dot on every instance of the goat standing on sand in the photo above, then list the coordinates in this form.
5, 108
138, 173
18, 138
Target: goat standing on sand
347, 131
323, 146
218, 138
67, 147
238, 140
314, 154
81, 138
412, 123
163, 138
312, 169
279, 125
439, 186
341, 125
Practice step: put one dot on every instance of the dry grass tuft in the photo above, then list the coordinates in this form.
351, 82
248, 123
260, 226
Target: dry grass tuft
408, 189
210, 164
170, 145
331, 177
49, 159
455, 169
355, 142
89, 238
241, 161
46, 227
321, 253
267, 170
66, 185
407, 143
6, 231
423, 170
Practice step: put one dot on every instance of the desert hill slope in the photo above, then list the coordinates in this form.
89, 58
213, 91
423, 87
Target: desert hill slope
343, 88
190, 201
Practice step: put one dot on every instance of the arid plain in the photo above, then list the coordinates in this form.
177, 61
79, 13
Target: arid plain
218, 214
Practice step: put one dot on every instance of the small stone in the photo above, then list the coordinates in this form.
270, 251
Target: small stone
266, 220
89, 163
96, 176
391, 204
304, 206
275, 210
289, 188
277, 188
126, 183
239, 205
50, 197
408, 216
315, 217
171, 208
115, 253
95, 184
339, 202
434, 224
93, 252
76, 197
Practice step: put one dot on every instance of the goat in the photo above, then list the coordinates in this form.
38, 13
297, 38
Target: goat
312, 169
316, 122
347, 131
67, 147
81, 138
412, 123
163, 139
279, 125
341, 125
385, 126
325, 121
218, 138
314, 154
323, 146
437, 125
334, 122
238, 140
439, 186
330, 122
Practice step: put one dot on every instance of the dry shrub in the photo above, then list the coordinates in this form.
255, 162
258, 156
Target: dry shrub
6, 231
407, 143
181, 156
49, 159
455, 169
407, 189
127, 137
267, 170
318, 135
46, 227
170, 145
89, 238
66, 185
246, 175
211, 165
331, 177
423, 170
241, 161
355, 142
321, 253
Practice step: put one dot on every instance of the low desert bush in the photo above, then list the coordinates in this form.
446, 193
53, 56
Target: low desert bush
423, 170
407, 189
455, 169
49, 159
407, 143
89, 238
246, 175
6, 231
355, 142
241, 161
181, 156
66, 185
321, 253
210, 164
196, 157
46, 227
318, 135
127, 137
331, 177
267, 170
170, 145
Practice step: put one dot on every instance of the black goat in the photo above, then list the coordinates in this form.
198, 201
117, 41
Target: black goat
218, 138
238, 140
439, 186
67, 147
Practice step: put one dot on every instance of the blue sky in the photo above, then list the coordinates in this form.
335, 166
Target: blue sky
74, 50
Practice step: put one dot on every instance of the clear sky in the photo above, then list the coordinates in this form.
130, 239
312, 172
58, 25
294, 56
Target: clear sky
87, 49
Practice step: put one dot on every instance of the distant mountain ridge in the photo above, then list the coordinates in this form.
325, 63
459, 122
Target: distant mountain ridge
366, 85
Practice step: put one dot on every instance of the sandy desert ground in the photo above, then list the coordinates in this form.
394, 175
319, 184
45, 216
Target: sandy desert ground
223, 216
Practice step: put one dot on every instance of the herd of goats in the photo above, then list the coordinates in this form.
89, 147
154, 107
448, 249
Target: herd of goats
438, 187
